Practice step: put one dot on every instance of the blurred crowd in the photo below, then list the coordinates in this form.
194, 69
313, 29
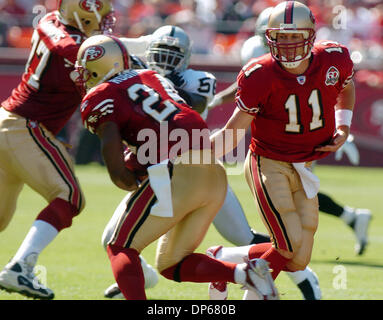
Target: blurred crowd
217, 27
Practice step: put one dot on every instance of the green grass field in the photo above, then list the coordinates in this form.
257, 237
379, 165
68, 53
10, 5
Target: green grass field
77, 267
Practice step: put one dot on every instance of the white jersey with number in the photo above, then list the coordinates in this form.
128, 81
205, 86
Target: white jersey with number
200, 82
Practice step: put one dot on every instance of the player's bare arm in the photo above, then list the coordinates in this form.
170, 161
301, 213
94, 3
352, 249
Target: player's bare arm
345, 104
112, 152
238, 121
225, 96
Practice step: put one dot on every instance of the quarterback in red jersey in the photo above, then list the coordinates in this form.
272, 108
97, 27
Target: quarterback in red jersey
29, 120
185, 188
298, 100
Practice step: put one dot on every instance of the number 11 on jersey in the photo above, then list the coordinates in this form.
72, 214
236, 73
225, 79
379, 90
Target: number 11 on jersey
294, 112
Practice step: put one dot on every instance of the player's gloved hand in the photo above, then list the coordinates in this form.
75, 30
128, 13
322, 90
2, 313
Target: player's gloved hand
215, 102
350, 149
176, 78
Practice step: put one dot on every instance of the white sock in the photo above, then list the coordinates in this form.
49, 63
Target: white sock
250, 295
348, 215
298, 276
240, 274
39, 236
233, 254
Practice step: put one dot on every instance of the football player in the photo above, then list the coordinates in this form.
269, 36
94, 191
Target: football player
356, 218
292, 98
168, 52
185, 186
30, 118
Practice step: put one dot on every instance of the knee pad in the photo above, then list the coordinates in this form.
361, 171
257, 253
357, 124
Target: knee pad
59, 213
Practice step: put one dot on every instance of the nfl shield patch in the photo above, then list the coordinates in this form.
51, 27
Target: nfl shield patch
301, 80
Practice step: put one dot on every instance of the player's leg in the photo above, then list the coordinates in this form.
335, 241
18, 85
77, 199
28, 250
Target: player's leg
232, 224
10, 188
272, 185
43, 163
356, 218
150, 274
10, 184
175, 257
308, 213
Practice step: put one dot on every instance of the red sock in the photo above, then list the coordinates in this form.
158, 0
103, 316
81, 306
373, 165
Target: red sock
127, 271
198, 267
276, 260
59, 213
257, 250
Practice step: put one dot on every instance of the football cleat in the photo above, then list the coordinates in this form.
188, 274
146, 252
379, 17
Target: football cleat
113, 292
217, 290
18, 276
310, 286
259, 279
360, 226
151, 279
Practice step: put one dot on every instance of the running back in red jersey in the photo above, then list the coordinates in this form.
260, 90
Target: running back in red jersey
143, 105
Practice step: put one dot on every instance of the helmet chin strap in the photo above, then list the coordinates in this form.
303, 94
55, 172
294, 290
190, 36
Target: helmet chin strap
78, 21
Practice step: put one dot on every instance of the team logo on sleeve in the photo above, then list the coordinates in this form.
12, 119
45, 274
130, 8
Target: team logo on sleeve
91, 5
94, 53
332, 76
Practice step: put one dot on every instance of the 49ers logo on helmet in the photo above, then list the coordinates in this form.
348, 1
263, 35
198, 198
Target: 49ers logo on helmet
94, 53
91, 5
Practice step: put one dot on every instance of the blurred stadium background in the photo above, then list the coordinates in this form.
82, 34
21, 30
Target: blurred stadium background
218, 28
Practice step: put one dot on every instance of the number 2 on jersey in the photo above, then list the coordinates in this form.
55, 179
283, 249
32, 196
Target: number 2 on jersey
152, 104
294, 110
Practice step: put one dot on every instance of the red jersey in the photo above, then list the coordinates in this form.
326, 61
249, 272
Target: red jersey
143, 105
293, 114
47, 93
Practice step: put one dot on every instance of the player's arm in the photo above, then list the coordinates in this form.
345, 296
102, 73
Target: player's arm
225, 96
343, 115
112, 152
138, 45
194, 100
196, 89
234, 131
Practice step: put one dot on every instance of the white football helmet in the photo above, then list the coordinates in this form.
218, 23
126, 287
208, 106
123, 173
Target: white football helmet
169, 50
257, 45
261, 24
291, 17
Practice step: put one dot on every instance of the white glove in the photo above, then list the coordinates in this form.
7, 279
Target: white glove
215, 102
350, 149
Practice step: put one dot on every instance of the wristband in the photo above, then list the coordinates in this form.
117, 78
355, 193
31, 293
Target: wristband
343, 117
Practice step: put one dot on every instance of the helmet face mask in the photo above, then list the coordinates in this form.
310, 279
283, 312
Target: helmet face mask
290, 54
169, 50
91, 17
290, 17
